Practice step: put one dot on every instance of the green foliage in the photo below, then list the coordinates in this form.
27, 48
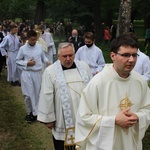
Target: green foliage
48, 20
18, 20
17, 9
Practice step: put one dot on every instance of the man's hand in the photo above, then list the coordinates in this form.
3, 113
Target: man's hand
48, 63
126, 119
50, 125
31, 62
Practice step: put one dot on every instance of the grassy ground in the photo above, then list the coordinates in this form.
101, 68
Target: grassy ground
15, 133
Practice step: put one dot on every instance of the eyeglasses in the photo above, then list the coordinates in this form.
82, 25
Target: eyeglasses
127, 55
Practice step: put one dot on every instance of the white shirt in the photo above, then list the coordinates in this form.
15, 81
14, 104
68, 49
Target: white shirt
93, 56
142, 65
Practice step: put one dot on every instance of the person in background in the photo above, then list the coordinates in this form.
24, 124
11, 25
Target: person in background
106, 35
147, 37
10, 46
131, 28
113, 32
68, 30
30, 58
76, 40
43, 43
3, 33
142, 65
91, 54
47, 37
114, 110
62, 84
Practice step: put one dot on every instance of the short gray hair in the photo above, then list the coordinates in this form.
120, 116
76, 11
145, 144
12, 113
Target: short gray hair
65, 44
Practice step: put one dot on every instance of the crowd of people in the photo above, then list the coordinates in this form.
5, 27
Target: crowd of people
86, 102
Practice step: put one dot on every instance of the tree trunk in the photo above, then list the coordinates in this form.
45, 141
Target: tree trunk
40, 12
109, 15
146, 17
124, 18
97, 20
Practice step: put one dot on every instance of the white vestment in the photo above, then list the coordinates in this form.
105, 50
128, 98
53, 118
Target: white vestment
101, 101
142, 65
31, 75
50, 104
47, 37
11, 44
93, 56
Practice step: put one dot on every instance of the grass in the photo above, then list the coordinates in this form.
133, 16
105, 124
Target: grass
15, 133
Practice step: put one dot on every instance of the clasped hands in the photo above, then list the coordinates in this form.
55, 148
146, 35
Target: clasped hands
31, 62
126, 118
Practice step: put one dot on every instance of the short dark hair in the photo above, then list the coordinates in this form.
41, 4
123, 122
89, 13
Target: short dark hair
31, 33
122, 40
89, 35
12, 26
132, 35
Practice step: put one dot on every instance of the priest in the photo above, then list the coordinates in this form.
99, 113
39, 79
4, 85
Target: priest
114, 110
61, 89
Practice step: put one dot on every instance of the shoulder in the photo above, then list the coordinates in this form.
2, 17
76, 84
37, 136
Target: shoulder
47, 33
82, 63
97, 49
135, 76
82, 48
50, 71
143, 56
38, 45
104, 77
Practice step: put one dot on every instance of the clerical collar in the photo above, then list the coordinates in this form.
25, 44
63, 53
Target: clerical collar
72, 67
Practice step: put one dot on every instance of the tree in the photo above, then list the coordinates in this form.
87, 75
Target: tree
124, 18
11, 9
141, 10
97, 20
40, 12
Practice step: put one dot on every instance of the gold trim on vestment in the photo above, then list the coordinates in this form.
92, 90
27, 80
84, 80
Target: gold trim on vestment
78, 146
74, 89
124, 104
70, 137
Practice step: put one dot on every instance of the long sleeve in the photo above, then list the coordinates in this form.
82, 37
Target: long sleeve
20, 60
100, 62
144, 114
91, 125
46, 104
4, 44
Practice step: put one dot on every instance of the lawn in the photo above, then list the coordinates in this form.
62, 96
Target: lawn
15, 133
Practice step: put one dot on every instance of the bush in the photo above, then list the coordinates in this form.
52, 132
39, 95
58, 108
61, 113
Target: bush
18, 20
48, 21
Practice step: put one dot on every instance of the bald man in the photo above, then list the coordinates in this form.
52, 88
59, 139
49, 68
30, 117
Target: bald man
76, 40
